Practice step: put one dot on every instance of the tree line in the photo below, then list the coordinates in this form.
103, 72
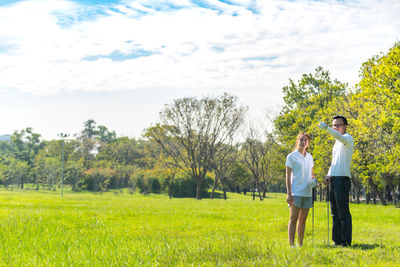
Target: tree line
200, 145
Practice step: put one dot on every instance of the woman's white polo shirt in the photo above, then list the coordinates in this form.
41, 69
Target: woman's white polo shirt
301, 173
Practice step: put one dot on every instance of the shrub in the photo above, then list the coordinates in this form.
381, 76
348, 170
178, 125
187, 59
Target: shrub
186, 187
97, 179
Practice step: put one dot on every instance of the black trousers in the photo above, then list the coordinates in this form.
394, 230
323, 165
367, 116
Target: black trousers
339, 198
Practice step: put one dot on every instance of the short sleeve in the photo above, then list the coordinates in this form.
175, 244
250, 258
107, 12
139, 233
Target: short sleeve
289, 162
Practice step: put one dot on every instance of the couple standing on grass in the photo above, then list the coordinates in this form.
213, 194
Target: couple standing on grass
300, 180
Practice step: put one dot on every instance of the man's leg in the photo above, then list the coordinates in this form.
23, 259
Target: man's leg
336, 224
343, 211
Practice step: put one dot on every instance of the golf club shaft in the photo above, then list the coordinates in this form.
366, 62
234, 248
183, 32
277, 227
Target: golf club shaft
327, 212
313, 196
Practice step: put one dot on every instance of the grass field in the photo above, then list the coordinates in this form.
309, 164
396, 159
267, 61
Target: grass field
82, 229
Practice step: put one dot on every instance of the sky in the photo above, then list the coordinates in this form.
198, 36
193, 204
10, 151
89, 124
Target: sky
120, 62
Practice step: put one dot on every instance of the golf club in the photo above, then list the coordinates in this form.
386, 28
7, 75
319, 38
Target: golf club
313, 196
327, 212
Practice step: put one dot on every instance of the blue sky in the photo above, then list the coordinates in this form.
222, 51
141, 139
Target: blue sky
118, 62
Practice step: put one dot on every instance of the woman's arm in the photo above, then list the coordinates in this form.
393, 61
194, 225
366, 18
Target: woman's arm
289, 198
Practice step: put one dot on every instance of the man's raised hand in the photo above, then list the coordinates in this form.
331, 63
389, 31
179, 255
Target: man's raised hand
322, 125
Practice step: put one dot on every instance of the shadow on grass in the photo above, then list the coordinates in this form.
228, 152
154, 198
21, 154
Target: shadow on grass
257, 197
365, 246
217, 195
355, 246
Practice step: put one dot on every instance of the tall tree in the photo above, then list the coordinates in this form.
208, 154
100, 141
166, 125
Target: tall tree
376, 105
26, 144
193, 131
89, 128
257, 158
306, 101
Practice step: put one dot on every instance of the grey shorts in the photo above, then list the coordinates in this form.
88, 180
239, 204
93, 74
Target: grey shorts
302, 202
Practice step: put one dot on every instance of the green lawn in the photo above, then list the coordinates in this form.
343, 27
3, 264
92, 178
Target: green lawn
43, 229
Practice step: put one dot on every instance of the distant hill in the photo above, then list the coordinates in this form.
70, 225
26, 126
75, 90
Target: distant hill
6, 137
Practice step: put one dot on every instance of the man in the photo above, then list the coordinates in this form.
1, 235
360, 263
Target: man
339, 179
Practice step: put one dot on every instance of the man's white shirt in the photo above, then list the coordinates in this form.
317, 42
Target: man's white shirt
342, 153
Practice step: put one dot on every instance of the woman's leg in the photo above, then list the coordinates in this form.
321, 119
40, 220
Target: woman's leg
294, 214
301, 226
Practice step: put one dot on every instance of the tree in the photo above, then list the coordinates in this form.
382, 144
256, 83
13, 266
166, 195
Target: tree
167, 170
376, 106
104, 135
89, 130
257, 158
305, 102
223, 167
314, 97
193, 131
26, 144
73, 174
17, 172
98, 179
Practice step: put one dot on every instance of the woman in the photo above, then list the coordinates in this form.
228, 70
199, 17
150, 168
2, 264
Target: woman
299, 182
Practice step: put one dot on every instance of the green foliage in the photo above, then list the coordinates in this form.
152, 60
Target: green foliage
74, 174
193, 131
315, 97
15, 171
375, 108
186, 187
98, 179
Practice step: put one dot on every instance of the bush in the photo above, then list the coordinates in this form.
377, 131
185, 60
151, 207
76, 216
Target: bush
147, 184
186, 187
97, 179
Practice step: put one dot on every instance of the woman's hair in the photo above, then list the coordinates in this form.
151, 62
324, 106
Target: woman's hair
296, 146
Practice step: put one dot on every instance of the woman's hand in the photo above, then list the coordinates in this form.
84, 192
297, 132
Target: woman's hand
290, 199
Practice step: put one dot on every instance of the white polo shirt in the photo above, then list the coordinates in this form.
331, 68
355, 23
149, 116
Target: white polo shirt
342, 154
301, 173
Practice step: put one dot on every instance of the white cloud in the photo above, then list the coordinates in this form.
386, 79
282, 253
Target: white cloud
192, 50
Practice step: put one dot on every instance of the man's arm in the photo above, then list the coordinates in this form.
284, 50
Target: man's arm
334, 133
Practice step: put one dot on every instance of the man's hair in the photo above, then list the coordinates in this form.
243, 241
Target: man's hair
341, 117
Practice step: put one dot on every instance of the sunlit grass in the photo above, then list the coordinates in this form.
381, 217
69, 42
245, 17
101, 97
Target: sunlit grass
44, 229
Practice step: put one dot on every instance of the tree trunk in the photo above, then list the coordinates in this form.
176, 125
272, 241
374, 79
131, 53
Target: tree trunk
358, 194
198, 190
170, 191
213, 188
264, 190
378, 192
224, 192
254, 190
259, 190
396, 194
